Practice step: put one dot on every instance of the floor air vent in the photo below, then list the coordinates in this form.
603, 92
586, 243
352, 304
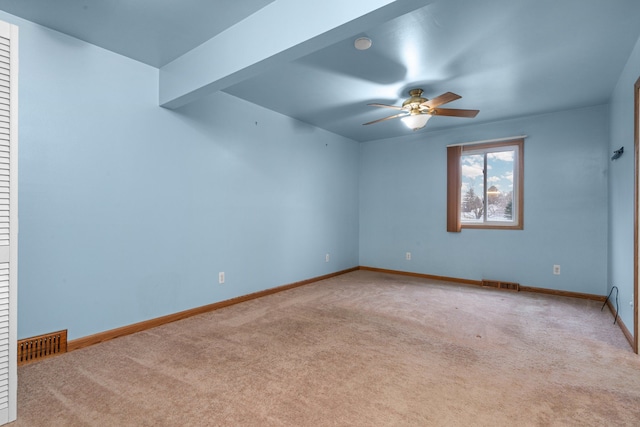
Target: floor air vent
41, 347
510, 286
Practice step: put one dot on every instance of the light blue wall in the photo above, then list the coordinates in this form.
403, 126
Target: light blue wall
621, 183
403, 205
128, 211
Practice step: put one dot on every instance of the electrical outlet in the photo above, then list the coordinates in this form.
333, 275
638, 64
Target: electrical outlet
556, 269
408, 256
326, 258
221, 277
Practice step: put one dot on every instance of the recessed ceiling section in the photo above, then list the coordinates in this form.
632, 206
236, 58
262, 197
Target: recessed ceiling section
154, 32
505, 58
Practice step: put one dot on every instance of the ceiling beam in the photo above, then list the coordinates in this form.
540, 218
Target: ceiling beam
281, 31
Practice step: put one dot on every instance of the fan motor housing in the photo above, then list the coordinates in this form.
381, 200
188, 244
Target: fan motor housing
414, 101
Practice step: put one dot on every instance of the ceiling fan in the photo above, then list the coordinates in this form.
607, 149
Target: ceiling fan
416, 111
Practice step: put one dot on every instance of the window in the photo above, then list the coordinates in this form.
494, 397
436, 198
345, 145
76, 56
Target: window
484, 185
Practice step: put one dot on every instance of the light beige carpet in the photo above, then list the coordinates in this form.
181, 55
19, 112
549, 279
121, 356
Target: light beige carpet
365, 349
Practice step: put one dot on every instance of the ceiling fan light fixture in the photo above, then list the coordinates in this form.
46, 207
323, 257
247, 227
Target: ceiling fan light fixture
416, 110
416, 121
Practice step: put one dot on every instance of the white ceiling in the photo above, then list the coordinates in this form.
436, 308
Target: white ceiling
507, 58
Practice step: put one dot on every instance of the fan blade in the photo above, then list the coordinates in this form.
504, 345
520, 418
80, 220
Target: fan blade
452, 112
386, 106
386, 118
442, 99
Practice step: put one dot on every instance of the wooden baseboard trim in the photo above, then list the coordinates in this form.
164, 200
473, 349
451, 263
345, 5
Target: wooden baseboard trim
628, 335
152, 323
423, 276
570, 294
557, 293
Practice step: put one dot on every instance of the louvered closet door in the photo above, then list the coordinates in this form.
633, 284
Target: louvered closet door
8, 219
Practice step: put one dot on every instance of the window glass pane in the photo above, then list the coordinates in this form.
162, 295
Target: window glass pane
472, 192
485, 186
500, 185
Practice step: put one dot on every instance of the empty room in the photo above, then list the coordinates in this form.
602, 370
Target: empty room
276, 212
